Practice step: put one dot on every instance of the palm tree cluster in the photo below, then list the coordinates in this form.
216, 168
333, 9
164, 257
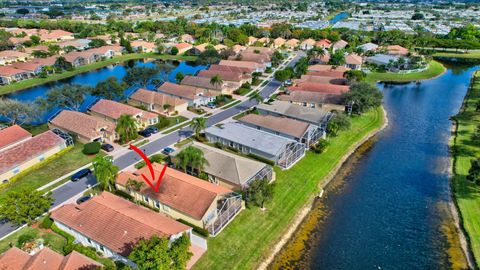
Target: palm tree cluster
126, 128
198, 125
192, 158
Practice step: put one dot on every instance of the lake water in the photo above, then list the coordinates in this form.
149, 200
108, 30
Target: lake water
340, 16
167, 71
388, 207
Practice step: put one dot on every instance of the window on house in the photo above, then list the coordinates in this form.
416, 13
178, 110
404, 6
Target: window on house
157, 204
166, 208
89, 241
145, 198
16, 170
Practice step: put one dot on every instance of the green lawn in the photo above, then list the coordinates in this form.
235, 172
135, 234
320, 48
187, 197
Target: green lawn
38, 81
49, 170
250, 237
172, 121
435, 69
469, 55
51, 239
465, 149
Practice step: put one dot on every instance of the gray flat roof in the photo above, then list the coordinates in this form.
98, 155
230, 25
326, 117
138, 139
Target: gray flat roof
250, 137
303, 113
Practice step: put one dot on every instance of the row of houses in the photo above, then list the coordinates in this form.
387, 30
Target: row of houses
100, 122
34, 66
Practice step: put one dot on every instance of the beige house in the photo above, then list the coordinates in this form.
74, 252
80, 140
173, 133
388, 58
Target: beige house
182, 196
307, 44
292, 43
278, 42
157, 102
111, 111
143, 46
224, 87
26, 154
85, 128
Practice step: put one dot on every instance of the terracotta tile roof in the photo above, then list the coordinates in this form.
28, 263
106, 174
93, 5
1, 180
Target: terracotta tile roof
104, 49
178, 190
115, 222
45, 259
16, 40
54, 34
251, 57
29, 66
152, 97
292, 42
230, 69
309, 41
238, 48
71, 56
327, 68
29, 149
182, 46
243, 64
259, 50
202, 47
279, 41
49, 61
115, 109
353, 59
224, 75
8, 71
327, 73
143, 43
13, 134
252, 39
323, 43
202, 82
83, 124
220, 47
309, 97
340, 44
397, 50
16, 54
320, 87
322, 79
283, 125
183, 91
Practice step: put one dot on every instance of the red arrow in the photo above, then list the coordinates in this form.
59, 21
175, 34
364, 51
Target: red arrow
150, 167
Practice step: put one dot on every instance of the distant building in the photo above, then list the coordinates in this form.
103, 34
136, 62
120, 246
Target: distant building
157, 102
314, 116
193, 95
111, 111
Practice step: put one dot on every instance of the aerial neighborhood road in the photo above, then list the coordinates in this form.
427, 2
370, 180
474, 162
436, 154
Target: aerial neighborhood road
71, 189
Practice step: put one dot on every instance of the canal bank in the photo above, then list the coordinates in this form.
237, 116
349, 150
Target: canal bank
388, 208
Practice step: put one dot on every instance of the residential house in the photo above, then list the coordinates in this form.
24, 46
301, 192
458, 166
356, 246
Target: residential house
113, 225
18, 40
231, 77
55, 35
8, 57
13, 135
307, 44
323, 43
78, 44
26, 154
10, 74
238, 48
34, 68
224, 87
193, 95
220, 47
251, 40
85, 128
252, 57
157, 102
143, 46
397, 50
39, 48
229, 170
260, 50
314, 116
77, 59
292, 43
339, 45
278, 42
263, 40
183, 47
198, 49
111, 111
368, 47
302, 132
321, 79
382, 59
45, 259
182, 196
320, 87
187, 38
230, 69
107, 51
314, 100
252, 66
276, 149
353, 61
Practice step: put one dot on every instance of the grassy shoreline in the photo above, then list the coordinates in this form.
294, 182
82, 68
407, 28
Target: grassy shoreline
249, 239
464, 149
21, 85
469, 55
434, 69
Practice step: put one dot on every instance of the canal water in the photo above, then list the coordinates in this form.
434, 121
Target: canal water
388, 206
167, 72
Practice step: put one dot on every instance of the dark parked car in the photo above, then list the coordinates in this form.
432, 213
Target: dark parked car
83, 199
152, 129
107, 147
145, 133
80, 174
168, 151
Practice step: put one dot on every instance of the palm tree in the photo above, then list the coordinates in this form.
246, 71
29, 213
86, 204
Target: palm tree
257, 97
126, 128
216, 80
134, 185
105, 171
191, 157
198, 125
